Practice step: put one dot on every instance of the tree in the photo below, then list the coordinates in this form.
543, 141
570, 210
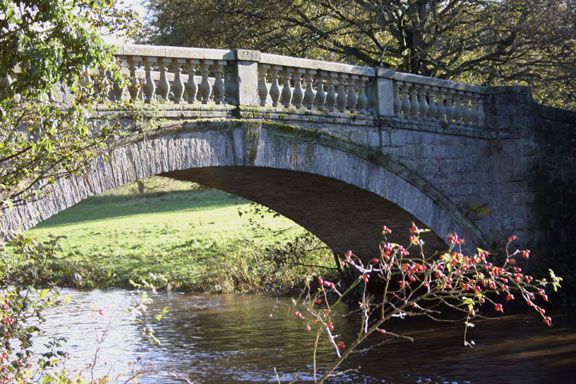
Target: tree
49, 49
491, 42
411, 283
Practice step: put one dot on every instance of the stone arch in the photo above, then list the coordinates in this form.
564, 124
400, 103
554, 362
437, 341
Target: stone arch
338, 190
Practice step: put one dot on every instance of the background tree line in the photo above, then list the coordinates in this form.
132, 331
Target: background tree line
487, 42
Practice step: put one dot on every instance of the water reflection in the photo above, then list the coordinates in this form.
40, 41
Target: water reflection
241, 339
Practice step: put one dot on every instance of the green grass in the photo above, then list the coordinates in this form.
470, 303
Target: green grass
189, 240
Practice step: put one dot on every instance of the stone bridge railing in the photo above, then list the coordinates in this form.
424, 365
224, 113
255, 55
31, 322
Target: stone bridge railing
251, 78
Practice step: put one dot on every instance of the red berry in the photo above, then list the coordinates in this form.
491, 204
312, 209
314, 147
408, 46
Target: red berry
526, 253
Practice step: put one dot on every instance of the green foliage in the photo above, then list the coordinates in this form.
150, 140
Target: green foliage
450, 287
54, 41
21, 310
51, 52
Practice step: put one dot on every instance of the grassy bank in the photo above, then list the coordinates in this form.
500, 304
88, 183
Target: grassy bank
188, 240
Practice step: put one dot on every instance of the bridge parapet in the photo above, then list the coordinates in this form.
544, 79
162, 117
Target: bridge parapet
251, 78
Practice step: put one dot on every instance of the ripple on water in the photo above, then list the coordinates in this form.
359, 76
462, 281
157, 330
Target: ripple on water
240, 339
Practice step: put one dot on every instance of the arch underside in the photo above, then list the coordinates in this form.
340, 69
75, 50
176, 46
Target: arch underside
340, 214
335, 189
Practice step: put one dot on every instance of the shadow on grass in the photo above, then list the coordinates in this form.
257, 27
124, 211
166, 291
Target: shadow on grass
97, 208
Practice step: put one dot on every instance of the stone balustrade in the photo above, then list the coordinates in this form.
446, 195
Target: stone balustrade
426, 98
251, 78
179, 75
316, 85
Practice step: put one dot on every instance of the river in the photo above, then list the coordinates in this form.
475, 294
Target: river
223, 339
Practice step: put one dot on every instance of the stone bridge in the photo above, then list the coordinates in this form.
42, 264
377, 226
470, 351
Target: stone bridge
340, 149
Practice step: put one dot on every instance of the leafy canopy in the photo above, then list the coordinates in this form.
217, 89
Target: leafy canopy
50, 49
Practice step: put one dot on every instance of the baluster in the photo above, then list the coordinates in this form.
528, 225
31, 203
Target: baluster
397, 102
218, 82
331, 94
103, 89
163, 84
298, 95
341, 98
118, 83
286, 95
230, 78
405, 107
204, 90
262, 86
178, 83
423, 103
320, 98
463, 106
117, 90
275, 87
469, 112
455, 106
362, 99
480, 112
352, 98
432, 106
449, 107
149, 85
85, 79
309, 93
372, 95
191, 86
414, 104
134, 83
441, 105
458, 111
473, 109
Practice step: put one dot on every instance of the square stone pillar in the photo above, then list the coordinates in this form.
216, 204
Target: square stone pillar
247, 77
385, 92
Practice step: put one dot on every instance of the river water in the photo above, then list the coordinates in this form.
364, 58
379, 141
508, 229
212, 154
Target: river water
222, 339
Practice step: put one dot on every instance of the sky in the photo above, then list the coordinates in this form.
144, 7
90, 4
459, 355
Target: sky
136, 5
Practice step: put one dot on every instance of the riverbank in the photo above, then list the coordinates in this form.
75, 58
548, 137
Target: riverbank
192, 240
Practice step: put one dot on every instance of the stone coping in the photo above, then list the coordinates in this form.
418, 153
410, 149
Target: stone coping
174, 52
